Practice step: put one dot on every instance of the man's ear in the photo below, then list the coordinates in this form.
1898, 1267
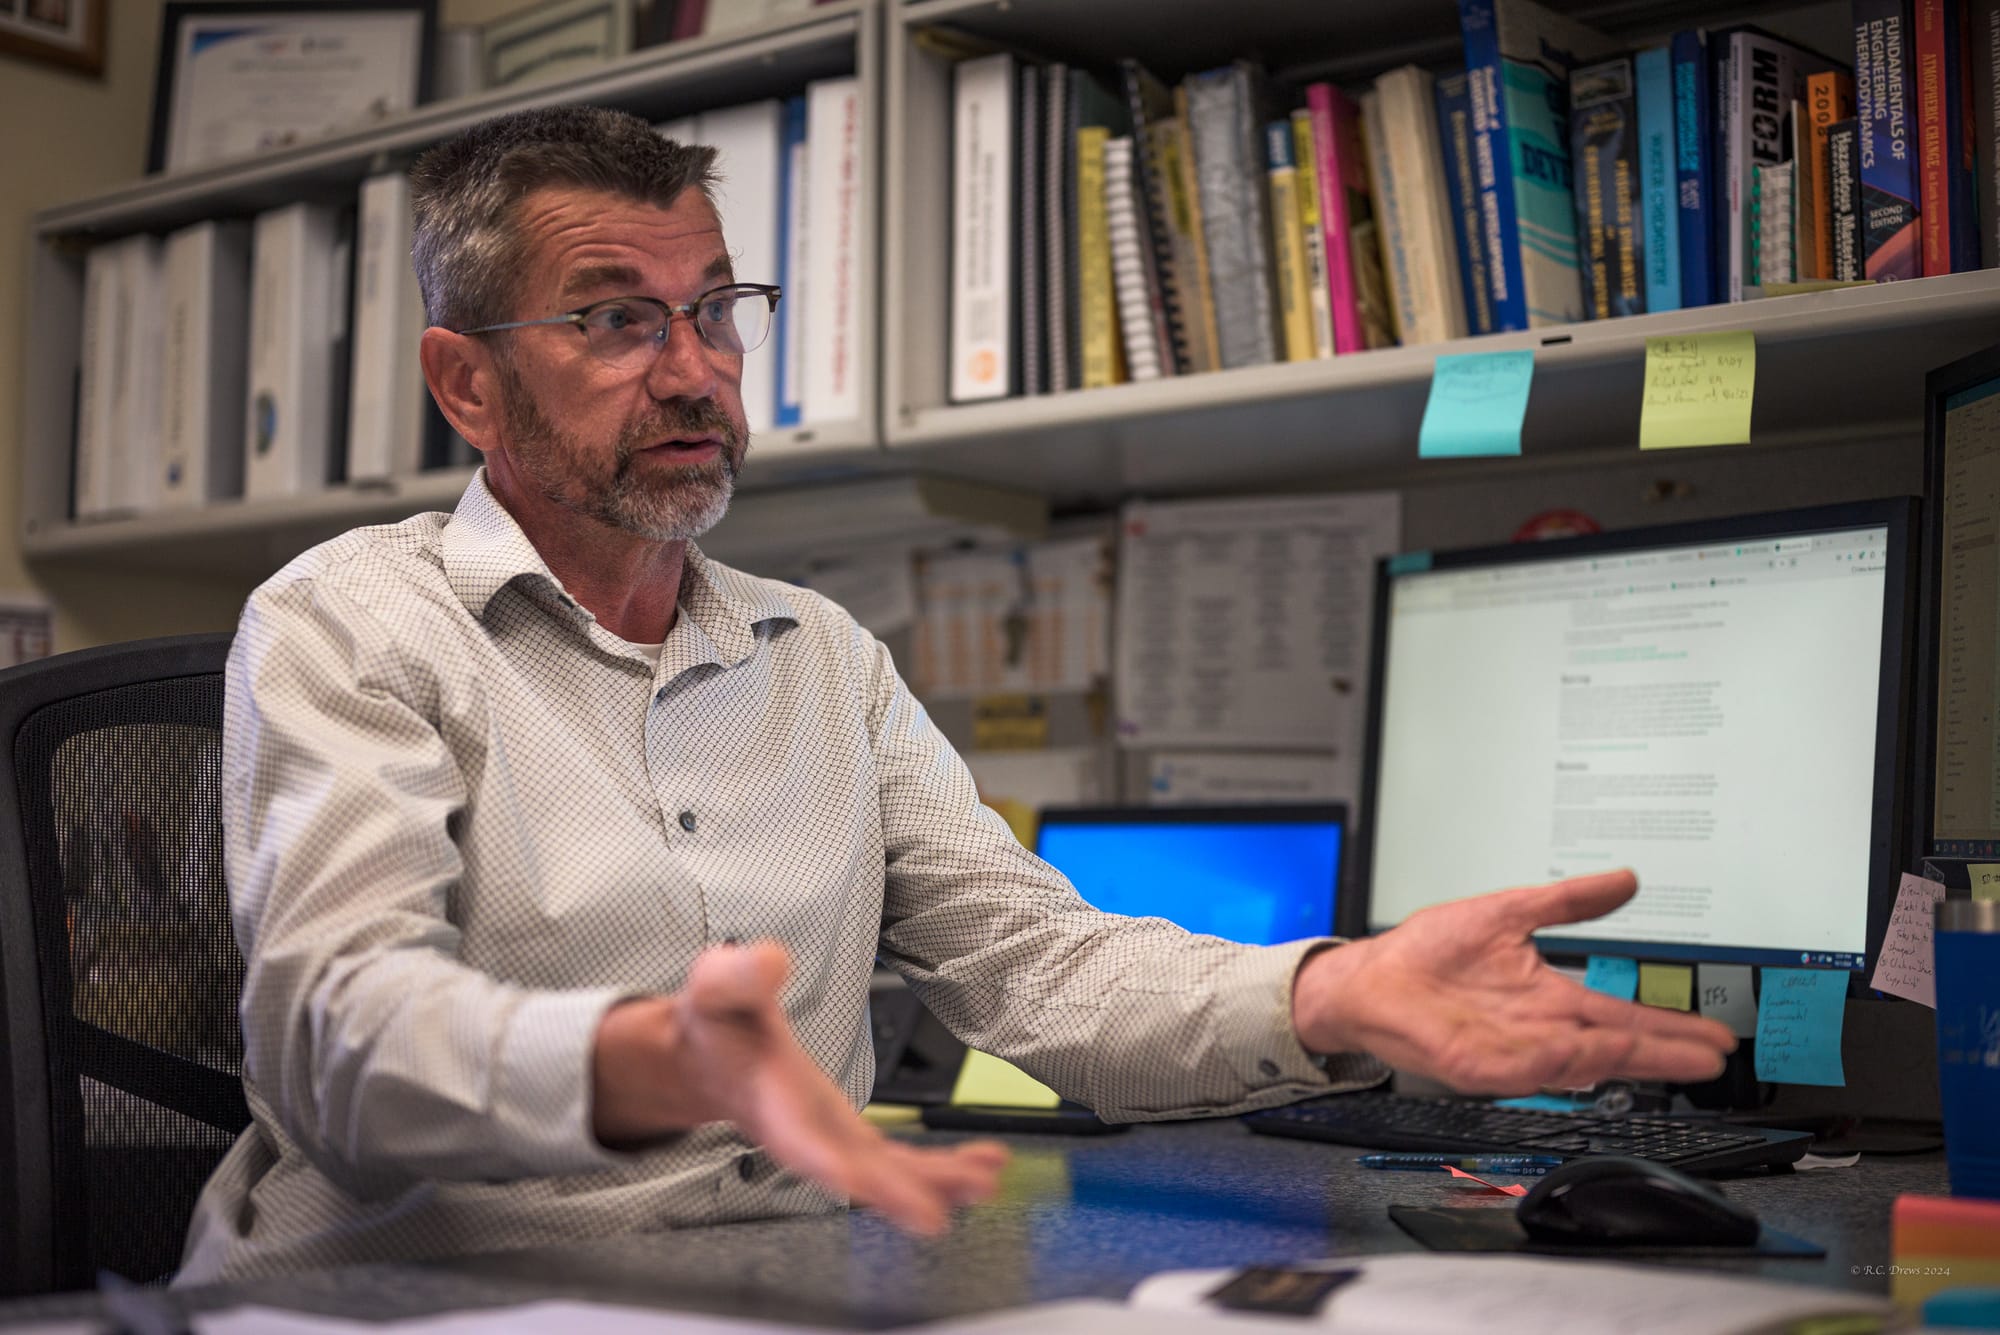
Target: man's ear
465, 383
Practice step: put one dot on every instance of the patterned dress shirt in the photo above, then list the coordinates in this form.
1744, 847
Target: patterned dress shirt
463, 819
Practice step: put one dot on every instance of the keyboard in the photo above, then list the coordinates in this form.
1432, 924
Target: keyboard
1376, 1120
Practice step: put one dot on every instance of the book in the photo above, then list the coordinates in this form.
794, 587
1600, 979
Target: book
1138, 333
1319, 307
1233, 191
1058, 253
1843, 189
1766, 75
749, 144
787, 364
1454, 114
1949, 232
205, 359
1204, 339
1983, 49
1769, 225
94, 469
1029, 350
1149, 102
389, 407
1659, 210
1288, 243
1090, 105
1604, 151
1361, 318
1096, 295
836, 263
984, 319
298, 297
1518, 56
1884, 90
1413, 208
1829, 98
1694, 165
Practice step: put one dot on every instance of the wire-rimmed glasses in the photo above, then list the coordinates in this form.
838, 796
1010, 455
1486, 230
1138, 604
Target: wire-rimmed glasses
628, 332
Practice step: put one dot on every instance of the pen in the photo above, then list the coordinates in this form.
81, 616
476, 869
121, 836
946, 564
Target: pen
1516, 1165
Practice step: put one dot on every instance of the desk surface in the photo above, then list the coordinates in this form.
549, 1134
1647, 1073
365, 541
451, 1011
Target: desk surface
1077, 1217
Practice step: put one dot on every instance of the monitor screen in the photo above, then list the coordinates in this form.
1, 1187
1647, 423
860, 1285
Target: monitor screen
1717, 706
1259, 875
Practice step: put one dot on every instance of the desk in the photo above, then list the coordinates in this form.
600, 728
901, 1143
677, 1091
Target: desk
1077, 1217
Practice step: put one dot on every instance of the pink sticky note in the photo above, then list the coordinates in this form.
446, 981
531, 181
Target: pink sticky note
1515, 1189
1904, 967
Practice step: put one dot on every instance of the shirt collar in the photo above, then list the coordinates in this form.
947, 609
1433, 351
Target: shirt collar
484, 550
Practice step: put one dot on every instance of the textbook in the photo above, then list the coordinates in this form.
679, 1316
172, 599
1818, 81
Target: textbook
1765, 75
1233, 192
1694, 165
787, 368
983, 252
1829, 99
1288, 245
1659, 211
1454, 118
1843, 190
1885, 130
1413, 208
1604, 154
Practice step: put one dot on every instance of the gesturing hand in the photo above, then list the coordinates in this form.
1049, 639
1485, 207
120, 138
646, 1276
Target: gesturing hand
720, 1050
1457, 992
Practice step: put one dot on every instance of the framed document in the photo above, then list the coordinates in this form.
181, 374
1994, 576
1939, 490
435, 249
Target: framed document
239, 78
556, 39
59, 32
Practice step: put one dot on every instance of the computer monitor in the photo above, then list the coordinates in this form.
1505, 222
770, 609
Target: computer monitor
1719, 706
1255, 874
1958, 728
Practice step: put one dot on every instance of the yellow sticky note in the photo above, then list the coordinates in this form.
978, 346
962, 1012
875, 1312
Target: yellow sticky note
1669, 985
1698, 390
989, 1082
1985, 878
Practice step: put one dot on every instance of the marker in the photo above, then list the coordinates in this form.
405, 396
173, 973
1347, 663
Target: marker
1513, 1165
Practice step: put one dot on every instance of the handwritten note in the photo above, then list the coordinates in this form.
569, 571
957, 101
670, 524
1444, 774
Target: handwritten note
1668, 985
1613, 976
1985, 878
1904, 967
1799, 1017
1698, 390
1728, 995
1477, 403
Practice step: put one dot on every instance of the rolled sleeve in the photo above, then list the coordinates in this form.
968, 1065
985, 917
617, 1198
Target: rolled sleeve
1253, 1000
542, 1109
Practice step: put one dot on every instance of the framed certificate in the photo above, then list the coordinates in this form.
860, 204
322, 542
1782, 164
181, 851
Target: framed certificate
555, 39
59, 32
241, 78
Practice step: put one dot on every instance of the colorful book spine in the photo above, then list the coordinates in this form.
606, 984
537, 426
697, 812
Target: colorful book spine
1766, 75
1829, 100
1961, 170
1884, 87
1454, 113
1843, 190
1983, 49
1097, 300
1313, 234
1693, 171
1933, 113
1343, 189
1288, 243
788, 351
1659, 213
1604, 132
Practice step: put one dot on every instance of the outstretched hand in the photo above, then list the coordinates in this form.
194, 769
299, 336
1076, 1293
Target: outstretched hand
1458, 992
720, 1049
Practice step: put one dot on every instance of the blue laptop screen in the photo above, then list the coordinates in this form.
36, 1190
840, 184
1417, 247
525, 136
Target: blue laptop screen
1255, 882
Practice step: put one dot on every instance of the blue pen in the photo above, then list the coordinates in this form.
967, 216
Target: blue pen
1512, 1165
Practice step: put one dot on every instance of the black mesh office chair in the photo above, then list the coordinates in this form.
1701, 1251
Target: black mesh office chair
119, 975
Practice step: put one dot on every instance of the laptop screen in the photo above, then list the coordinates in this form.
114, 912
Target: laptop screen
1258, 875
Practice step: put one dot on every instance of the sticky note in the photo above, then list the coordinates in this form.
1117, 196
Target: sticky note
1727, 994
1613, 976
990, 1082
1799, 1017
1904, 968
1985, 878
1477, 403
1668, 985
1698, 390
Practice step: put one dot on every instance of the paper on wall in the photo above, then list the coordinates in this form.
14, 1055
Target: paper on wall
1035, 619
878, 589
1220, 778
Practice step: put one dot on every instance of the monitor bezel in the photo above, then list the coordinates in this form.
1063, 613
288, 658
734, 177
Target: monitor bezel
1939, 385
1888, 835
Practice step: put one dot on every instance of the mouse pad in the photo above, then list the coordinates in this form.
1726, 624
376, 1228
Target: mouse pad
1452, 1229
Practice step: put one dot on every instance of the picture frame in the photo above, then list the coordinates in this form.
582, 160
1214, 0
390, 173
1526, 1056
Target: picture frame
68, 33
241, 78
554, 40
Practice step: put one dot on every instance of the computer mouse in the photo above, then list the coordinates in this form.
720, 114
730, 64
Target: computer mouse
1612, 1200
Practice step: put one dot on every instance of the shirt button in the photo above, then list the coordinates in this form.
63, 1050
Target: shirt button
1269, 1068
749, 1168
687, 821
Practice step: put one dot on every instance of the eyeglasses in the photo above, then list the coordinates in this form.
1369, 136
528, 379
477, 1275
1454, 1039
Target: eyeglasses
628, 332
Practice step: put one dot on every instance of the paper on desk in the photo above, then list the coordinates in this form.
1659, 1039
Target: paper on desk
597, 1318
1905, 968
1499, 1295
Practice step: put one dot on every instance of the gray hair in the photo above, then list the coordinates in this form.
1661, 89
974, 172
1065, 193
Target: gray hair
466, 193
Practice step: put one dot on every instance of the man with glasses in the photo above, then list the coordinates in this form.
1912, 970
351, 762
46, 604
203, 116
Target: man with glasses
561, 854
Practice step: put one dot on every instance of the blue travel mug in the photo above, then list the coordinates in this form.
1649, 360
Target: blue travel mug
1968, 1019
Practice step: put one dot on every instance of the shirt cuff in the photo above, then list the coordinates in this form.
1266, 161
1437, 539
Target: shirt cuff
541, 1097
1254, 1001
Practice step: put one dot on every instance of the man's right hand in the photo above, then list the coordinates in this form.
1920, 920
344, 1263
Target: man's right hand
720, 1050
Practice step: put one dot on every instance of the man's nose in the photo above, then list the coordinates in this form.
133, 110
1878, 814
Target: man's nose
685, 366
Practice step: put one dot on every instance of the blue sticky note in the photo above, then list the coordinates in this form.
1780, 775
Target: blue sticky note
1799, 1015
1612, 975
1477, 402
